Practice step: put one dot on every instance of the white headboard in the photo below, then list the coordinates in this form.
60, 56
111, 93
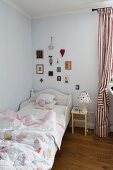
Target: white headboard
62, 99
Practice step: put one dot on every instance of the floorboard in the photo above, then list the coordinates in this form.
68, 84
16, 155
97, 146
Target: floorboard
79, 152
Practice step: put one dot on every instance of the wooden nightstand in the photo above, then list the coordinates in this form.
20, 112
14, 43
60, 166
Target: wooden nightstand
75, 114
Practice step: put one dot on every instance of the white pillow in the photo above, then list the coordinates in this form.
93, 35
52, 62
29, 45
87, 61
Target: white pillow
47, 106
48, 98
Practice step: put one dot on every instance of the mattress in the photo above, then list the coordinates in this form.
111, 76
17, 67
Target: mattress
62, 113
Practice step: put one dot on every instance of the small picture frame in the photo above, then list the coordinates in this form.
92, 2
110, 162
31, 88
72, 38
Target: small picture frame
50, 73
66, 79
58, 78
39, 69
77, 87
39, 54
68, 65
58, 69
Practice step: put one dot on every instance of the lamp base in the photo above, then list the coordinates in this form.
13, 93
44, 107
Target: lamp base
83, 108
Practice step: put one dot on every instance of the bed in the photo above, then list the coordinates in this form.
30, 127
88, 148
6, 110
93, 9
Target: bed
34, 134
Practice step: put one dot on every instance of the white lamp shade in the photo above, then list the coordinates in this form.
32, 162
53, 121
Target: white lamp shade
84, 97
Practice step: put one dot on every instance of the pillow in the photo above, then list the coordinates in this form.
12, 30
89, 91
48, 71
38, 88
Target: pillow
47, 97
47, 106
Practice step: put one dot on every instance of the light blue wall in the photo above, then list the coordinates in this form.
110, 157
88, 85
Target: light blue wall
15, 57
77, 33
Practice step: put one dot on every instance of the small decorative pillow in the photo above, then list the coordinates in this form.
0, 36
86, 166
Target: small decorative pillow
47, 106
47, 97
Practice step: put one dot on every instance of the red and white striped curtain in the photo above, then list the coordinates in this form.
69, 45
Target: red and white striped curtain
105, 57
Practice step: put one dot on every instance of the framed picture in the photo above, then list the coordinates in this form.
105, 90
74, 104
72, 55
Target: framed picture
58, 69
50, 73
66, 79
39, 54
58, 78
39, 69
77, 87
68, 65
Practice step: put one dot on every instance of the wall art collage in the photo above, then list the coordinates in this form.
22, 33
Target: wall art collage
59, 78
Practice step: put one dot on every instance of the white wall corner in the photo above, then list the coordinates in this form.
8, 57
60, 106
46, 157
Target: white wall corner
13, 5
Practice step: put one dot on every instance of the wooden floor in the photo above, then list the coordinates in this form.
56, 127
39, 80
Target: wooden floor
79, 152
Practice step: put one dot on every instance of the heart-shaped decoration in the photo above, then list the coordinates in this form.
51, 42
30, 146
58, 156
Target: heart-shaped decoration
62, 52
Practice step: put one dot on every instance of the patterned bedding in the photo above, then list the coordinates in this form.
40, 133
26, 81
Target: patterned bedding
30, 139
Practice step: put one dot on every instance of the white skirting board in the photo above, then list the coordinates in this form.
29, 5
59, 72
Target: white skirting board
111, 128
91, 122
92, 125
89, 126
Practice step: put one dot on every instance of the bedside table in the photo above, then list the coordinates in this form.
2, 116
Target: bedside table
74, 114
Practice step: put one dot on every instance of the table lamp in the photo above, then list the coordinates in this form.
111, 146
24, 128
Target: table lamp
84, 99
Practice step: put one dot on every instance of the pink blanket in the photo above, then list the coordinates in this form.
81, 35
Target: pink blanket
9, 120
9, 114
10, 124
50, 118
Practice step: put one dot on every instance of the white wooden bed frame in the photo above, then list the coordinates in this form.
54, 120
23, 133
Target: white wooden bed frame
62, 99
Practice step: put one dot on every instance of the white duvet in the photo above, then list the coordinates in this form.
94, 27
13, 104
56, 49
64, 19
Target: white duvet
32, 147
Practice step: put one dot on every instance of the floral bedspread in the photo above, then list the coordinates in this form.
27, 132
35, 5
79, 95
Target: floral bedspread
29, 143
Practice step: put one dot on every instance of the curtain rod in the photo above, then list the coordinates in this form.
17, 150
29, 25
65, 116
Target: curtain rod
95, 9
